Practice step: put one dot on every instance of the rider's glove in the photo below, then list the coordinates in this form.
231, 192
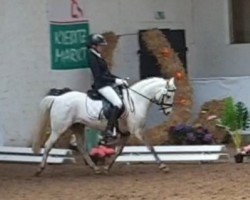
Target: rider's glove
125, 82
119, 81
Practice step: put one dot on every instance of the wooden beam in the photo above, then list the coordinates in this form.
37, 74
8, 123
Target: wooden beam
25, 150
35, 159
172, 149
171, 158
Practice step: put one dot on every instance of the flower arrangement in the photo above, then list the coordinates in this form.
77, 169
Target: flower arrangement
184, 134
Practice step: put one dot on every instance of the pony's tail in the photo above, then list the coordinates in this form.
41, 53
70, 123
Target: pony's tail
44, 117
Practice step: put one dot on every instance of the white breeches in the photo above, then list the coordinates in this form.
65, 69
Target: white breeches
109, 93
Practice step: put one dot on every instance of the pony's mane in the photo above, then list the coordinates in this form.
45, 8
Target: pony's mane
147, 81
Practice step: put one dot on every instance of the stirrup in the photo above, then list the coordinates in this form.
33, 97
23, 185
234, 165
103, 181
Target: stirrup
110, 143
108, 138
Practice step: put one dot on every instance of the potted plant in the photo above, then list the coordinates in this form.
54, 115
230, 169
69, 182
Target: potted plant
235, 119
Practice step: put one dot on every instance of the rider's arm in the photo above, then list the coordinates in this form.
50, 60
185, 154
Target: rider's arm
98, 72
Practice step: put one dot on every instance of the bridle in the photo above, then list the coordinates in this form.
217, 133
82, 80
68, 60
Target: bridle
160, 102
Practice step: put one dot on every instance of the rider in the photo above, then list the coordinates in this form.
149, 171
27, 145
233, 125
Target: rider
103, 79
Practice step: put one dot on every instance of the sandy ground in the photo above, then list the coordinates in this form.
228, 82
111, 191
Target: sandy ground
217, 181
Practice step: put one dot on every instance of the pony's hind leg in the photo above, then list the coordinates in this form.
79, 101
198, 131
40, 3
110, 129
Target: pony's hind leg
124, 138
47, 147
78, 130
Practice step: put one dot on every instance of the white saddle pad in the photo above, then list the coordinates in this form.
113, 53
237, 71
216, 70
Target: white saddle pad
94, 108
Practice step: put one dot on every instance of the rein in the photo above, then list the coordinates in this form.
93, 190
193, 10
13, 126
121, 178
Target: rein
153, 100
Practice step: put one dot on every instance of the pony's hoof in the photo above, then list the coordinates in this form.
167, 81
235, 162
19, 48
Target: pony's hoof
38, 173
97, 170
164, 168
106, 169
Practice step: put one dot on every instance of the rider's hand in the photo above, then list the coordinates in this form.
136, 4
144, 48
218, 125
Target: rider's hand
125, 82
119, 81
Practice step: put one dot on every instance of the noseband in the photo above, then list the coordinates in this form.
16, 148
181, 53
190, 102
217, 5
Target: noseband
162, 100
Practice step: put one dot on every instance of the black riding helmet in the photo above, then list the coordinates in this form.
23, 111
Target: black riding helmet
97, 39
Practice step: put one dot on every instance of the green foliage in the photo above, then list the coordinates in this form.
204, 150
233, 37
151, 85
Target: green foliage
242, 116
229, 115
235, 116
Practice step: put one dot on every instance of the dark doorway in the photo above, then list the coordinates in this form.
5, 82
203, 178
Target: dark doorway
148, 63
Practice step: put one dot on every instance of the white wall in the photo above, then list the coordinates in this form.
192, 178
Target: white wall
209, 55
25, 52
130, 16
224, 66
25, 68
207, 89
215, 56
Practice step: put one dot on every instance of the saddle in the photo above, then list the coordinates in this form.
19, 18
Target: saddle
106, 105
58, 92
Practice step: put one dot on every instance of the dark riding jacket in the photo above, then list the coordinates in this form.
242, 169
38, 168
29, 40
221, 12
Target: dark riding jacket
101, 74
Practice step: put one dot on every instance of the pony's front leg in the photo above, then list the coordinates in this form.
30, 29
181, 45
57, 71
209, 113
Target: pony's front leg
119, 148
81, 146
162, 166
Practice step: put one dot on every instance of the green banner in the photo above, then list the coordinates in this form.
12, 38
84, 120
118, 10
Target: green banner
69, 45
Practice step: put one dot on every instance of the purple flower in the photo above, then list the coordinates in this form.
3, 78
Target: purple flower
184, 134
191, 137
208, 138
179, 127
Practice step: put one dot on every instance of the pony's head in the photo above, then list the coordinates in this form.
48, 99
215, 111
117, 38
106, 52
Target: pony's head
165, 96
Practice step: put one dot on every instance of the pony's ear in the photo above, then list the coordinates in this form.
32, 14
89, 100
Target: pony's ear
171, 82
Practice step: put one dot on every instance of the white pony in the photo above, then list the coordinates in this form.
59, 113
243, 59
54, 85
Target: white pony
69, 111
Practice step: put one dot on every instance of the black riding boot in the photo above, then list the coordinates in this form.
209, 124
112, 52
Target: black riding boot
108, 134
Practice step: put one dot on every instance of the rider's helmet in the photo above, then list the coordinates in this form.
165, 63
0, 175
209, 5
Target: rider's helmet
97, 39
